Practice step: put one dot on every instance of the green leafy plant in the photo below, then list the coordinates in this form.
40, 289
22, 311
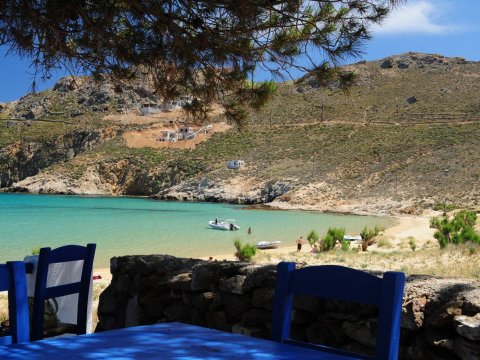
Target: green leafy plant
313, 238
368, 236
456, 230
443, 207
345, 245
245, 252
412, 243
333, 235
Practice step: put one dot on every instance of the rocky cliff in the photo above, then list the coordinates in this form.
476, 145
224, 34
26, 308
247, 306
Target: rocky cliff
24, 159
75, 96
123, 177
237, 192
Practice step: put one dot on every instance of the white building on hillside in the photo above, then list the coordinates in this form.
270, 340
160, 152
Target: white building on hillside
169, 136
186, 133
153, 108
235, 164
178, 103
149, 109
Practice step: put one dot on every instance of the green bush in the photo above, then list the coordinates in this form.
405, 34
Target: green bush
345, 245
413, 243
245, 252
443, 207
333, 235
456, 230
368, 236
469, 234
312, 238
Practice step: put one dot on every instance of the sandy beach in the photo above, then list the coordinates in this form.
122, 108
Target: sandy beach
417, 227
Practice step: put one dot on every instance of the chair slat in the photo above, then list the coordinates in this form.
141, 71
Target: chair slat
357, 286
388, 333
13, 280
66, 253
4, 278
62, 290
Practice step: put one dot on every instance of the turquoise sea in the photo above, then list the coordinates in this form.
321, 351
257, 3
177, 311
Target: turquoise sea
129, 226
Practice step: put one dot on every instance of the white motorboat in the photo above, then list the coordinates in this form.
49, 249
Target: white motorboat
268, 244
227, 225
352, 238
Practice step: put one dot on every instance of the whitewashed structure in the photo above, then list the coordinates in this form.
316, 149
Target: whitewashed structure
169, 136
177, 104
206, 129
235, 164
149, 109
186, 133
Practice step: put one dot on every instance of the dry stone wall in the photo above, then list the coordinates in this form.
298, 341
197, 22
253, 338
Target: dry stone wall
440, 320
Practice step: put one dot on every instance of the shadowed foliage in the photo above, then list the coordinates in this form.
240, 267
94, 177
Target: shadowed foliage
206, 48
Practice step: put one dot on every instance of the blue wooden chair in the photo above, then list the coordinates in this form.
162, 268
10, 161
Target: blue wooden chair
345, 284
42, 292
13, 280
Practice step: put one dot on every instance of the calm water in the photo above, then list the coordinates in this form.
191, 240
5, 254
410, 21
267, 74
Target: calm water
129, 226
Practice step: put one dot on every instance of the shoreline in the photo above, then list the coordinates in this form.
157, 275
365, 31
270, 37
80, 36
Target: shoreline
285, 206
357, 208
402, 227
406, 226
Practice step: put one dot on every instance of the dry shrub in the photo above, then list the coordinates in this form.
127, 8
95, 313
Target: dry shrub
3, 306
383, 242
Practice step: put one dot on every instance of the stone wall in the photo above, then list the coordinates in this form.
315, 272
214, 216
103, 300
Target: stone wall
441, 317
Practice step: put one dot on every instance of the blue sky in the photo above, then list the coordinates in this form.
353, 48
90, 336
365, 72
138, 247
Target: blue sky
447, 27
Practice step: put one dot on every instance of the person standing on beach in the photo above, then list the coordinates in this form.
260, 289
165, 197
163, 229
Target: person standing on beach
299, 243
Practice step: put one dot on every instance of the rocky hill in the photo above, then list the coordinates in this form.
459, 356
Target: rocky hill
405, 138
76, 96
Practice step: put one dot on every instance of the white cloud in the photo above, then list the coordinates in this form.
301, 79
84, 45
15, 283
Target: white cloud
420, 17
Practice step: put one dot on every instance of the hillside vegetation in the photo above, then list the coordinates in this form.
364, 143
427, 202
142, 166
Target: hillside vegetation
405, 139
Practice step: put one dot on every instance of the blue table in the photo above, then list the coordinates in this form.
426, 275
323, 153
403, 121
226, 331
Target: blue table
162, 341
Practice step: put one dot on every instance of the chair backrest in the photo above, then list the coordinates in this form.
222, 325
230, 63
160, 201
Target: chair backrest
345, 284
42, 292
13, 280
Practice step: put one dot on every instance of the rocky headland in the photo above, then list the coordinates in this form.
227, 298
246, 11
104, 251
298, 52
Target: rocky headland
404, 140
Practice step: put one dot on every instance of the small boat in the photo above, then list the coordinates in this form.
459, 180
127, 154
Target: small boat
352, 238
268, 244
223, 224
